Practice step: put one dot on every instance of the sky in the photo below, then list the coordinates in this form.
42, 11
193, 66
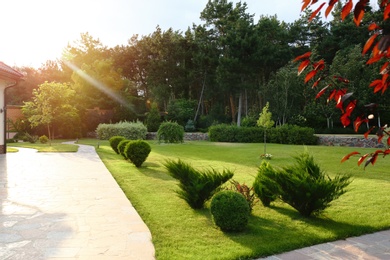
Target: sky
34, 31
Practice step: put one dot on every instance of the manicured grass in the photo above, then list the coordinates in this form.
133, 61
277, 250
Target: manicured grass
180, 232
56, 146
11, 150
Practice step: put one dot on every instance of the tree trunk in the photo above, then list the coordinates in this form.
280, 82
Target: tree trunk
239, 110
49, 133
233, 108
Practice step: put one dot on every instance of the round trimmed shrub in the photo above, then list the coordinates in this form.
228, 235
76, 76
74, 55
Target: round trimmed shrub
170, 132
114, 141
121, 147
137, 152
43, 139
230, 211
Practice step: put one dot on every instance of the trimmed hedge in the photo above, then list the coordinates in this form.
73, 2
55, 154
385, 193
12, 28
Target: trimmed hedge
129, 130
286, 134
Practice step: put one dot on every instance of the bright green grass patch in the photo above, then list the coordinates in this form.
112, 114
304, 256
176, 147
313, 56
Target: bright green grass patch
56, 146
180, 232
11, 150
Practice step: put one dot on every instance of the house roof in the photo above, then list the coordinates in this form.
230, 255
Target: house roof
8, 72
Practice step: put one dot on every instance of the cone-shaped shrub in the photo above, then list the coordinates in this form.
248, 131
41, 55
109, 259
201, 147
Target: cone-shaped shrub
265, 187
137, 152
121, 147
114, 141
196, 186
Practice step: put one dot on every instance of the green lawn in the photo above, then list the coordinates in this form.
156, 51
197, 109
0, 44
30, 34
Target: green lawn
180, 232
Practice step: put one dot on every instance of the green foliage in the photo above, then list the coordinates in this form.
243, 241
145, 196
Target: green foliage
266, 189
286, 134
153, 119
196, 186
230, 211
190, 126
170, 132
114, 141
43, 139
137, 152
304, 186
180, 110
265, 118
247, 192
129, 130
122, 146
30, 138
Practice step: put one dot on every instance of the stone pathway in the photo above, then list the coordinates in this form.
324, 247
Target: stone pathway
66, 206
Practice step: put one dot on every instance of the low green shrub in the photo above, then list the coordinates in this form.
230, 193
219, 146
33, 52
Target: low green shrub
30, 138
247, 192
43, 139
129, 130
10, 141
137, 152
264, 186
230, 211
114, 141
122, 146
153, 119
190, 126
196, 187
286, 134
305, 187
170, 132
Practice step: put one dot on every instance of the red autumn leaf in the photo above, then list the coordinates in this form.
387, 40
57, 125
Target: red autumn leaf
303, 66
317, 82
373, 158
359, 11
384, 69
319, 65
375, 58
314, 14
303, 56
330, 7
345, 119
341, 79
305, 4
332, 94
369, 43
386, 152
346, 9
358, 121
386, 13
361, 159
310, 75
348, 156
373, 27
322, 92
368, 132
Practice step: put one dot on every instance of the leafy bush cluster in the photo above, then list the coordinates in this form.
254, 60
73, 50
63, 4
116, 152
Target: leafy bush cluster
304, 186
43, 139
134, 150
286, 134
196, 187
153, 119
170, 132
230, 210
129, 130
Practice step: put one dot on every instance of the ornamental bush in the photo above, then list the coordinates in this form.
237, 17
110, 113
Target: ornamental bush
43, 139
170, 132
196, 187
129, 130
121, 147
153, 119
230, 211
266, 189
137, 152
304, 186
114, 141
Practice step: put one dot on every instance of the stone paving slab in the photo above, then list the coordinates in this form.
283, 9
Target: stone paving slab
374, 246
66, 206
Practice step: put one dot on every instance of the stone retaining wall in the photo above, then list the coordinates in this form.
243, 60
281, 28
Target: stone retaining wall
358, 141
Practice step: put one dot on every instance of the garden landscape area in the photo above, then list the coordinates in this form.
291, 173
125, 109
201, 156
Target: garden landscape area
181, 232
263, 92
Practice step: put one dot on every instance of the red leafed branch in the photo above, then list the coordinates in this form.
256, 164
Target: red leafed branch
378, 45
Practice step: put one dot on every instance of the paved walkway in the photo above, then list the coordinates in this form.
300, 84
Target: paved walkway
66, 206
374, 246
